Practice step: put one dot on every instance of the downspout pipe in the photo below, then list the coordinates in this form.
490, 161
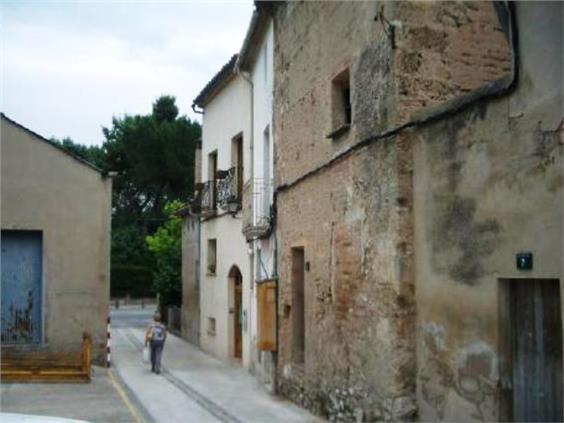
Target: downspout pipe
200, 112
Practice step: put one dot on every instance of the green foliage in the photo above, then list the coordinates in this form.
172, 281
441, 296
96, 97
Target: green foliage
165, 109
93, 153
129, 246
132, 280
154, 158
166, 246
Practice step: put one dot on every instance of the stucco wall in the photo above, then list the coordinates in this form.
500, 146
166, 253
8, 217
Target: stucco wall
45, 189
191, 279
225, 116
215, 291
264, 249
488, 183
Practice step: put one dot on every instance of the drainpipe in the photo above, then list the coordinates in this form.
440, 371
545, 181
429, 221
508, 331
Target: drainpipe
246, 77
201, 111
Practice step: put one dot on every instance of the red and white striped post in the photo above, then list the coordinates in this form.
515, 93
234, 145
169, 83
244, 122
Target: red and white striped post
108, 358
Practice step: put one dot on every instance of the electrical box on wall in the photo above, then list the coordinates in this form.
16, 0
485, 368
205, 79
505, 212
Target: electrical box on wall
524, 261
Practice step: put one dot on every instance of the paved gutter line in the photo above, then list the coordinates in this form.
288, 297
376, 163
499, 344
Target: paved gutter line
213, 408
116, 377
129, 398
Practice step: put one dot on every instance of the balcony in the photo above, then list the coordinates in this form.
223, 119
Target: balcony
258, 205
207, 196
229, 192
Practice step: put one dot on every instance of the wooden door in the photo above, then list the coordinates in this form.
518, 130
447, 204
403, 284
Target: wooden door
266, 315
536, 350
238, 318
298, 305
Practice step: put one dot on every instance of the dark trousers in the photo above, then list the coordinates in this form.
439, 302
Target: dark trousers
156, 355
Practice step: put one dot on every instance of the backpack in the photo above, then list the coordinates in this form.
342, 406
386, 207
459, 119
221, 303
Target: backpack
158, 332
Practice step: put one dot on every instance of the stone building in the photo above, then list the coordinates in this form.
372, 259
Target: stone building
224, 286
418, 177
56, 214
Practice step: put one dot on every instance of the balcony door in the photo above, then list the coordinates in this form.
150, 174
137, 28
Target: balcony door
266, 173
212, 176
237, 162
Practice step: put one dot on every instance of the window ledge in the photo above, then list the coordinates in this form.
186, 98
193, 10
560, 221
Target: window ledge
211, 274
339, 131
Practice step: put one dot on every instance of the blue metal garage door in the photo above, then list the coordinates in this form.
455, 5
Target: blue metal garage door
21, 287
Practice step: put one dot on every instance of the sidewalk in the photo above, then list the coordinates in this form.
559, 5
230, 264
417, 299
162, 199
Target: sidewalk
195, 387
102, 400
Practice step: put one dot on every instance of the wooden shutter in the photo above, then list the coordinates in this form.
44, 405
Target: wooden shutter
266, 300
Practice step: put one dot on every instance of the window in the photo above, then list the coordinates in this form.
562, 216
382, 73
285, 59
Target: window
212, 257
266, 172
212, 176
211, 326
341, 108
298, 306
237, 161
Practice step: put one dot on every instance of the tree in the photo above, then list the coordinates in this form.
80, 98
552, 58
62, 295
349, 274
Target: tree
166, 246
129, 247
154, 158
93, 154
164, 109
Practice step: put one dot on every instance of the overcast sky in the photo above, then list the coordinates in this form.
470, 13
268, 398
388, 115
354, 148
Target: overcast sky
68, 67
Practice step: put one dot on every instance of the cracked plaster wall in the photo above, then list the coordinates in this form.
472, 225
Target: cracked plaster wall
355, 218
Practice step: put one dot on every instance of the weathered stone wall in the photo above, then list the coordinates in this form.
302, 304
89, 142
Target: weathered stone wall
444, 51
488, 183
190, 279
353, 222
354, 217
441, 50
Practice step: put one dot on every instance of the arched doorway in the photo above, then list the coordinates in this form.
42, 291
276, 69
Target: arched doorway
236, 287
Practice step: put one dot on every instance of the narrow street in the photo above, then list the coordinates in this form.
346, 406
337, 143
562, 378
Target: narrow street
193, 386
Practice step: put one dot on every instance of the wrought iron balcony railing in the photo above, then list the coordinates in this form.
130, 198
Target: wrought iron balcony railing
208, 198
228, 190
258, 210
196, 201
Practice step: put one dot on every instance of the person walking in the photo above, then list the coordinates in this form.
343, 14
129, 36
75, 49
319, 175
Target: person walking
156, 337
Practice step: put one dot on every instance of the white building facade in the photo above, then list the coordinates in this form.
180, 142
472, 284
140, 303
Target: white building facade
255, 65
225, 288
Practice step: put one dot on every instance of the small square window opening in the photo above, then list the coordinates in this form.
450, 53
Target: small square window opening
341, 107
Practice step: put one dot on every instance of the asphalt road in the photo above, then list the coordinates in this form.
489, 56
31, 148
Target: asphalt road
193, 387
132, 316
